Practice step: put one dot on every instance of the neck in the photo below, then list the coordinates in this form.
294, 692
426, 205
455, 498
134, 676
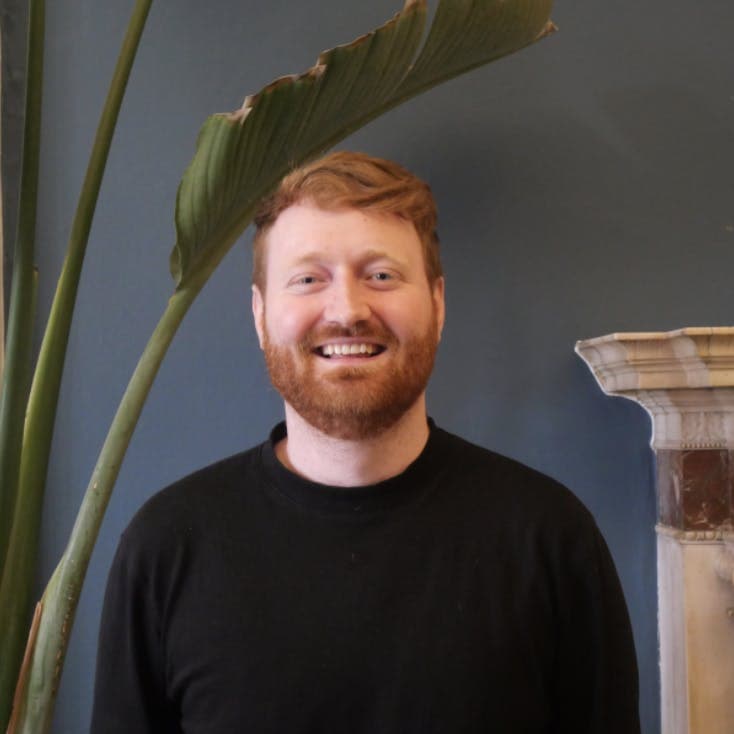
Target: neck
337, 462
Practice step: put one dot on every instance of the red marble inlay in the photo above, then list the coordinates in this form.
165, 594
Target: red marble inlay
695, 488
670, 511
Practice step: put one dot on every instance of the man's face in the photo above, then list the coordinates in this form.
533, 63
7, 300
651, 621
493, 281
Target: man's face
348, 322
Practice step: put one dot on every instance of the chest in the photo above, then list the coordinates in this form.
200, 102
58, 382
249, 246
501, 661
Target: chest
360, 629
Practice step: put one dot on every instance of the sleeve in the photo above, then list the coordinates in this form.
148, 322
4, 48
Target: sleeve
596, 672
129, 693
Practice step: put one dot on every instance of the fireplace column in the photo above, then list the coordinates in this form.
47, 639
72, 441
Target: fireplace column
685, 381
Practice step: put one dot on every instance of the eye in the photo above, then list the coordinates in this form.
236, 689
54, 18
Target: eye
383, 278
305, 282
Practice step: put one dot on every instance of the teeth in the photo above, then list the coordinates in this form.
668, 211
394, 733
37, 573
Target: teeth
347, 349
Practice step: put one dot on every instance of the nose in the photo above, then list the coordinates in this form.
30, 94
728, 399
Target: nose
347, 302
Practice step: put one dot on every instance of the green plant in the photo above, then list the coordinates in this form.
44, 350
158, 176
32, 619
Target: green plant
239, 158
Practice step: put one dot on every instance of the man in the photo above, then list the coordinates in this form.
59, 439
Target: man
363, 571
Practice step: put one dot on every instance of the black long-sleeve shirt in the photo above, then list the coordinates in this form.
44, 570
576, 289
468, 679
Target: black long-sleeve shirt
468, 594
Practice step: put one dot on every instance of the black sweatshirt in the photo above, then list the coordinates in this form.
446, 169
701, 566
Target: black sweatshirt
468, 594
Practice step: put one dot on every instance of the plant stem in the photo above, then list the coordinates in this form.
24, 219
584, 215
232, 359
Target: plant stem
40, 413
16, 374
62, 593
41, 679
14, 589
17, 371
20, 690
44, 394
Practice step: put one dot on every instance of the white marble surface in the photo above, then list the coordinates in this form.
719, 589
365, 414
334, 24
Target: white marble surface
684, 379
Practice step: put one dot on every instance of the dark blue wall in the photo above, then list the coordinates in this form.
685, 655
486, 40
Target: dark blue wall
584, 186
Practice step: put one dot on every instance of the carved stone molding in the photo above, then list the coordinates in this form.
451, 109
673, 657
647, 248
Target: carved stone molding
692, 357
684, 379
713, 537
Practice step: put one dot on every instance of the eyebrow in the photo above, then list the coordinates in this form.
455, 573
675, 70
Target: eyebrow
370, 255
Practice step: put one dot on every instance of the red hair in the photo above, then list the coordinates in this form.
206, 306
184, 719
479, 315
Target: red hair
345, 180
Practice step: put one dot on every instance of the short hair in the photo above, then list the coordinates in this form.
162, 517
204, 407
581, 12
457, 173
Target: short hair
344, 180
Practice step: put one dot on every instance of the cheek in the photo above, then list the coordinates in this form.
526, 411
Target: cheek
410, 318
289, 322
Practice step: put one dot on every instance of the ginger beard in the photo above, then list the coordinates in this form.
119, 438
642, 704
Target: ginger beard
353, 402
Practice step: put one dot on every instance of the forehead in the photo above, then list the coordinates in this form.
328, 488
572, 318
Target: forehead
305, 228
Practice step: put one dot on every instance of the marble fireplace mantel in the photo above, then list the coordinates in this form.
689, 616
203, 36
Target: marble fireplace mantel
685, 381
683, 378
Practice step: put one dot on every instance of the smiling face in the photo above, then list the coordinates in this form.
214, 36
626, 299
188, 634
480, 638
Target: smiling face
348, 321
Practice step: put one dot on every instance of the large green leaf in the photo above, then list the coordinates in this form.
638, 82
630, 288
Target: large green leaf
241, 156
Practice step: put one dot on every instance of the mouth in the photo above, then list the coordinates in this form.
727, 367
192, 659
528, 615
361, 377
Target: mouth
341, 350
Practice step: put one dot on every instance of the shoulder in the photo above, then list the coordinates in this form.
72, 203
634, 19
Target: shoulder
498, 478
537, 522
487, 493
192, 505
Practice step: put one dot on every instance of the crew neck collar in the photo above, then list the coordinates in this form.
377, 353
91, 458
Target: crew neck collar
359, 501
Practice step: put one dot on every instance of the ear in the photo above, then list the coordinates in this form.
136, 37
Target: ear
439, 303
258, 313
